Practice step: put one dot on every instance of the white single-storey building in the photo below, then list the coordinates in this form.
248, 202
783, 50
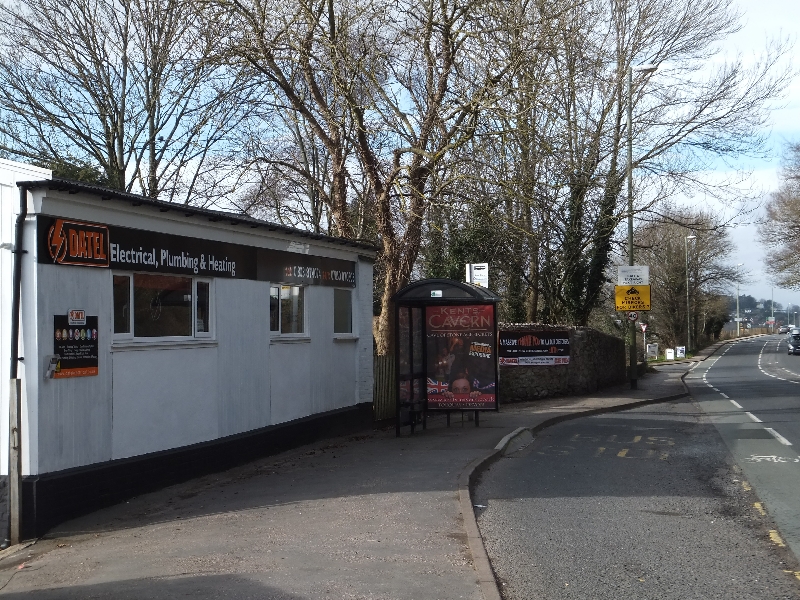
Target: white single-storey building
158, 341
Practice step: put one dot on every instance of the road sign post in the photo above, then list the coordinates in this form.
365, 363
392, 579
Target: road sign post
644, 339
632, 275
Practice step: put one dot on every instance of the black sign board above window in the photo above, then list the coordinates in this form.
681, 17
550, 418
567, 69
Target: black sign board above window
67, 242
304, 269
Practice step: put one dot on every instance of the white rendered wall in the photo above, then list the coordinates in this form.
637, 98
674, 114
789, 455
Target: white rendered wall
159, 397
73, 417
10, 173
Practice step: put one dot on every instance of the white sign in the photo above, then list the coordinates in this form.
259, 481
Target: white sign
76, 316
770, 319
478, 274
669, 354
643, 326
680, 351
635, 275
633, 315
652, 350
436, 293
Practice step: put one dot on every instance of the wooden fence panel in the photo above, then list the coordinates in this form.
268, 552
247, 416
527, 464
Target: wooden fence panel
384, 403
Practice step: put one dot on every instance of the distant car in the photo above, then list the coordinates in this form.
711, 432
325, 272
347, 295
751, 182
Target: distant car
793, 341
783, 329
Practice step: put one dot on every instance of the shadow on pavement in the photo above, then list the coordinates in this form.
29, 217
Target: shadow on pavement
219, 586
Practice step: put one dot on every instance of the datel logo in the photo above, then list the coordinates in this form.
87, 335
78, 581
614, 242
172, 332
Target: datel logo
74, 243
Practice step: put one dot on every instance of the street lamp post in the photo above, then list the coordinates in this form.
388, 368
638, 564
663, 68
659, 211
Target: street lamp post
738, 318
688, 314
631, 324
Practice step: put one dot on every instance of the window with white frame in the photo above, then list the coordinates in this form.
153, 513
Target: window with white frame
342, 311
287, 309
161, 306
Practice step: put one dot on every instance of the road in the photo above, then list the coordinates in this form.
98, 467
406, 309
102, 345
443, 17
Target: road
751, 393
646, 503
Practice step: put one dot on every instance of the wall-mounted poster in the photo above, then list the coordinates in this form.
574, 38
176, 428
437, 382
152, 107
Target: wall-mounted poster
461, 357
75, 342
520, 348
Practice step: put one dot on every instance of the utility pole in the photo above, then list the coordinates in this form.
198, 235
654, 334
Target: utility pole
688, 311
738, 318
632, 325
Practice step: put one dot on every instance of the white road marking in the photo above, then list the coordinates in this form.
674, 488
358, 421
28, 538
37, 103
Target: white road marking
778, 436
736, 404
755, 418
724, 395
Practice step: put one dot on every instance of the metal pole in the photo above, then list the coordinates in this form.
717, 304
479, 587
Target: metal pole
688, 315
772, 307
15, 396
644, 344
632, 325
14, 461
737, 310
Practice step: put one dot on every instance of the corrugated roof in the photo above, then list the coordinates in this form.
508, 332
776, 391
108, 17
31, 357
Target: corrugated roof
74, 187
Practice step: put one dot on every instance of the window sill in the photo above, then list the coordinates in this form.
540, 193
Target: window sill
134, 345
344, 337
286, 339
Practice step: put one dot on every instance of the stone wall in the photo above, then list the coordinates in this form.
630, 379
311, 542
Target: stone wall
597, 360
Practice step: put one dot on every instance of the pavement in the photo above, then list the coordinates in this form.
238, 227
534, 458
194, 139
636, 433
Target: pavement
368, 516
703, 354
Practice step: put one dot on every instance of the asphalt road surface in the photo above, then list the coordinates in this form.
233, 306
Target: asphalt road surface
751, 393
641, 504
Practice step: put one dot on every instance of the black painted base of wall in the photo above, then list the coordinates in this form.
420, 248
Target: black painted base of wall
52, 498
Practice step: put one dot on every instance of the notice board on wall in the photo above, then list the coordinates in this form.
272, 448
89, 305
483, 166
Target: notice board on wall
75, 342
519, 348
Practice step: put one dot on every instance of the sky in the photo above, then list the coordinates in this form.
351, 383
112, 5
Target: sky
763, 19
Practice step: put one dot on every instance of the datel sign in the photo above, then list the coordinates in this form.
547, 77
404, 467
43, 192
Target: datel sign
76, 243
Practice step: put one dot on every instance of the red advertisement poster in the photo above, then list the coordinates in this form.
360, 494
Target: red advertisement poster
461, 357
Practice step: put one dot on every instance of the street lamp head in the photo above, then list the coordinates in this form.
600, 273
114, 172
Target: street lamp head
691, 237
646, 68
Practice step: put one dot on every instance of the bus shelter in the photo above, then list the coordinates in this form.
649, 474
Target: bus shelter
446, 350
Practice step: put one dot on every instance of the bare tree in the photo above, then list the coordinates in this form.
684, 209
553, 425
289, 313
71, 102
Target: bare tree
122, 84
424, 104
664, 247
782, 219
564, 117
307, 56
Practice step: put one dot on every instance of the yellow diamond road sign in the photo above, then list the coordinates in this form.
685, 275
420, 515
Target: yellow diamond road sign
632, 297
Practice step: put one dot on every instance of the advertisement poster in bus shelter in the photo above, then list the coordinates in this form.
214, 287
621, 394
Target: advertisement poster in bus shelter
461, 350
